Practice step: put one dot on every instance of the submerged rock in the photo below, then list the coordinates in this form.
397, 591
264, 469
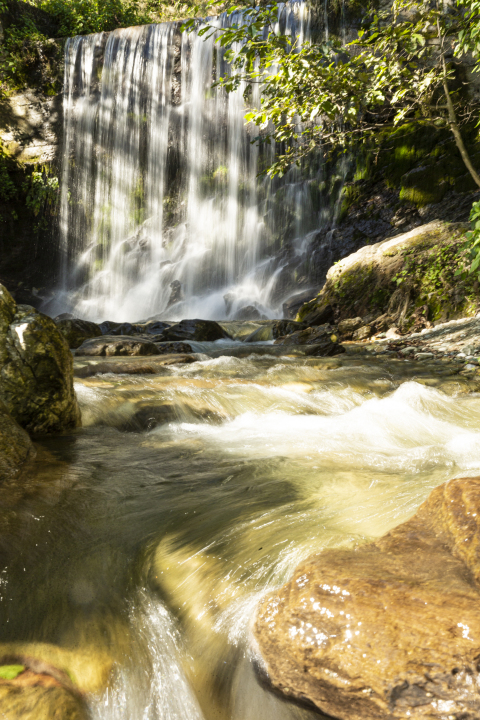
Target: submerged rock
199, 330
76, 331
117, 346
15, 445
389, 629
36, 369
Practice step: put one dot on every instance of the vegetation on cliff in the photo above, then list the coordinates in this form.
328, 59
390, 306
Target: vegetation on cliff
411, 281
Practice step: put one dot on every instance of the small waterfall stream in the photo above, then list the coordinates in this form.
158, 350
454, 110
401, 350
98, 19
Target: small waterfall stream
162, 211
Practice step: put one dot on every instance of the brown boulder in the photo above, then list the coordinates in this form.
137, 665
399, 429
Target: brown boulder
389, 629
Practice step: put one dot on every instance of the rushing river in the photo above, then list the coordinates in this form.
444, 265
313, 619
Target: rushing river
145, 547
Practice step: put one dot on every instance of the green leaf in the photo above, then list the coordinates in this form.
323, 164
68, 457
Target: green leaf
10, 672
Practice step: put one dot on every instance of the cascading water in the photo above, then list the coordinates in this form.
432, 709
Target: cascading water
162, 211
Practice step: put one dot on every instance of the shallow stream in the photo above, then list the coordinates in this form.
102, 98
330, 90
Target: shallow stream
142, 542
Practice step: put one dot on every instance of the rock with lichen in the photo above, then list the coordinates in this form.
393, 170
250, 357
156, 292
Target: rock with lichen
389, 629
36, 369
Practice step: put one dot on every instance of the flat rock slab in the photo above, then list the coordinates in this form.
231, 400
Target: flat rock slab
390, 629
111, 346
128, 366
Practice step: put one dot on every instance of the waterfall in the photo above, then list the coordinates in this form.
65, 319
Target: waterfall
162, 211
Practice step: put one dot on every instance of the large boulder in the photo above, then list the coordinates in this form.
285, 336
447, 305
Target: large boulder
76, 331
389, 629
199, 330
394, 277
36, 369
111, 346
15, 446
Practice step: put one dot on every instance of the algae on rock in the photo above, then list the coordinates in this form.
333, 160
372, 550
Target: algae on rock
36, 369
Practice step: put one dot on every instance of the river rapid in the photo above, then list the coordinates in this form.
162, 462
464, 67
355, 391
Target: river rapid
143, 545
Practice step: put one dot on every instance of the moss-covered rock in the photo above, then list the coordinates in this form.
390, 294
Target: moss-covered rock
36, 374
15, 446
411, 278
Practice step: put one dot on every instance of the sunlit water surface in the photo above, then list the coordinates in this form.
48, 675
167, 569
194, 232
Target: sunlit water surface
152, 543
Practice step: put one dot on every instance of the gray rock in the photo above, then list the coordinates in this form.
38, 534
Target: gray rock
117, 346
199, 330
319, 317
294, 303
274, 330
168, 348
346, 328
363, 333
76, 331
249, 312
36, 370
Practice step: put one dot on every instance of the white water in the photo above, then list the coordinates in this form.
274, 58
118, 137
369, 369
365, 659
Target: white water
160, 185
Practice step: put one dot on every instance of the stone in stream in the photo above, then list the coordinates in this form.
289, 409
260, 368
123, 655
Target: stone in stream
172, 348
306, 336
248, 312
36, 369
389, 629
273, 330
117, 346
76, 331
15, 446
199, 330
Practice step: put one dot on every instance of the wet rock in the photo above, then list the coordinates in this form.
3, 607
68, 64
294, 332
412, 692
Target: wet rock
389, 629
324, 347
306, 336
77, 331
177, 293
36, 370
15, 446
346, 328
129, 366
273, 330
294, 303
170, 348
363, 333
41, 699
117, 346
199, 330
114, 328
249, 312
319, 317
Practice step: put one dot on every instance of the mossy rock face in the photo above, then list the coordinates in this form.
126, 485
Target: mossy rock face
411, 277
36, 375
40, 703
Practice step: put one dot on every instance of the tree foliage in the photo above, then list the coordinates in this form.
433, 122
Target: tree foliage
399, 66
